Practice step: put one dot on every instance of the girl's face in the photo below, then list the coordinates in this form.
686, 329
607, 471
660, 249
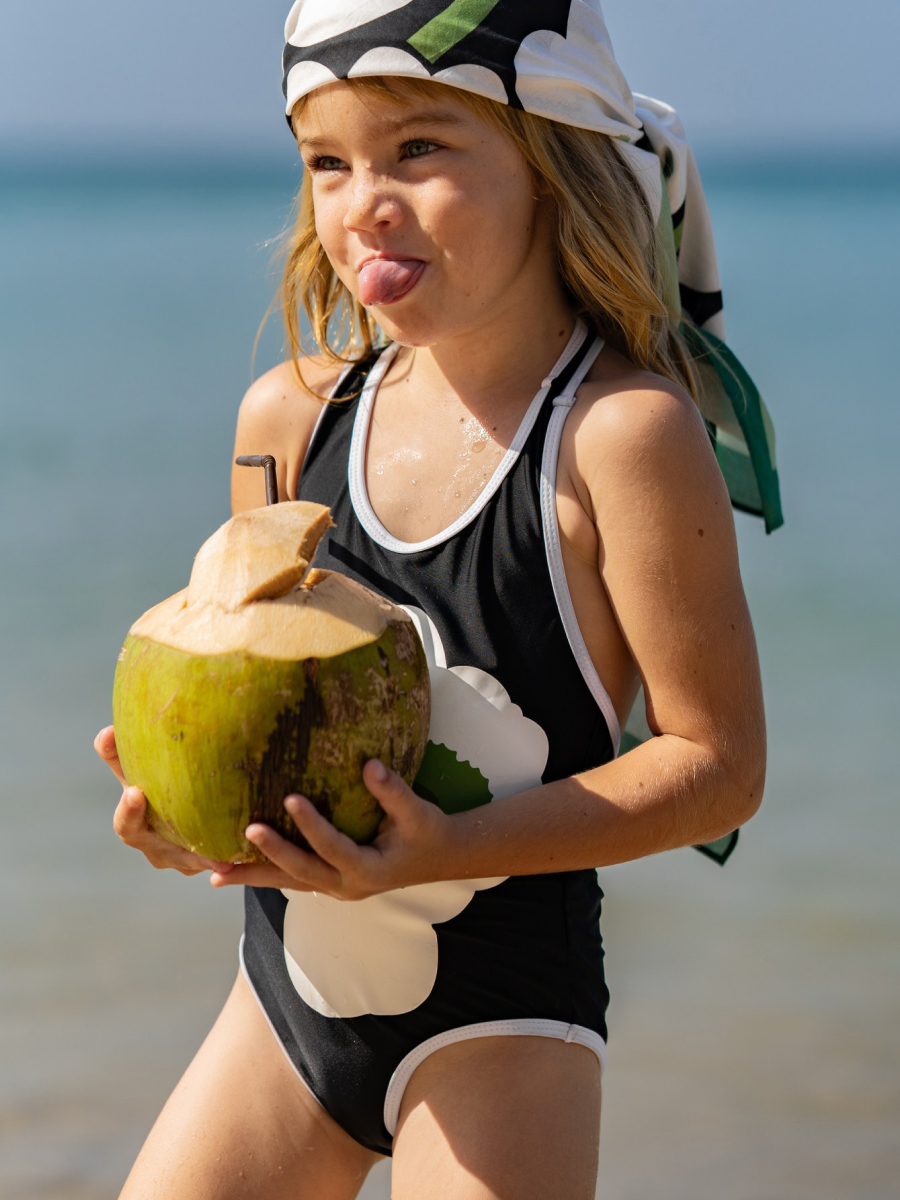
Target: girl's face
427, 212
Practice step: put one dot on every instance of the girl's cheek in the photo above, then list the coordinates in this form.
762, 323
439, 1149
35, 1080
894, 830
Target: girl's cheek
330, 230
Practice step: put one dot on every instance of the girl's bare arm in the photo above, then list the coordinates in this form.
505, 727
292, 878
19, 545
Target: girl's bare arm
667, 558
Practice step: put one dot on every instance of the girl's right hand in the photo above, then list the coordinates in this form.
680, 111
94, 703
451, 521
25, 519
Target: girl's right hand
130, 821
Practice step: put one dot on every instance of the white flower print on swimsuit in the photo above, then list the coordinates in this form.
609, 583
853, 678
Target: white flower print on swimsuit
380, 955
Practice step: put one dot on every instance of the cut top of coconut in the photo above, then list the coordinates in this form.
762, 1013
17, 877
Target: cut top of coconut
260, 554
328, 615
252, 590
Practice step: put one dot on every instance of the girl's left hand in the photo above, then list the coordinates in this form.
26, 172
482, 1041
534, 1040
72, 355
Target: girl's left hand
411, 847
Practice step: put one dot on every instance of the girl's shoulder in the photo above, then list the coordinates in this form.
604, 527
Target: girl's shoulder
289, 387
636, 445
620, 402
626, 417
277, 416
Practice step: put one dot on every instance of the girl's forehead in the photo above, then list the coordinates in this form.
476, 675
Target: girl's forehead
379, 108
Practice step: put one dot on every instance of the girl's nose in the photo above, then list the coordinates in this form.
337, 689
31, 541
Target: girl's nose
372, 204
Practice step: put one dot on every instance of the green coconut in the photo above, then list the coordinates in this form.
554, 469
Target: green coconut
262, 678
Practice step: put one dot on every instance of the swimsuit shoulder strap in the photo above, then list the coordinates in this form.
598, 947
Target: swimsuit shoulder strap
353, 378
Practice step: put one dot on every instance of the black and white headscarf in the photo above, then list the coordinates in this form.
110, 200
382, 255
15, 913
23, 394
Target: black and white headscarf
554, 58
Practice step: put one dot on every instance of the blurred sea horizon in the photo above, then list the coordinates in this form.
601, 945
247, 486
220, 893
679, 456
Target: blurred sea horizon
754, 1009
99, 159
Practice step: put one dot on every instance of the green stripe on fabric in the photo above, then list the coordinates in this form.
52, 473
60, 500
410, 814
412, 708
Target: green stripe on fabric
749, 410
740, 478
678, 233
720, 850
449, 27
668, 252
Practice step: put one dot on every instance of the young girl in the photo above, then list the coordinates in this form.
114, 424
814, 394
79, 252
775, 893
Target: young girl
515, 454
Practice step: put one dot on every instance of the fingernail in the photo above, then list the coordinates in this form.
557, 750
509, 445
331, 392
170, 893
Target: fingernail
253, 833
380, 771
293, 803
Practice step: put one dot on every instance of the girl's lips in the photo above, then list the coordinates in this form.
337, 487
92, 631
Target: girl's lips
384, 280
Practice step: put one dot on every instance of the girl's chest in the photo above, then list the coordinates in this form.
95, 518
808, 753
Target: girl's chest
423, 476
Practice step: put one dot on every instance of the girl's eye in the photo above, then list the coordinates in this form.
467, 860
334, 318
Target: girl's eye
325, 162
418, 148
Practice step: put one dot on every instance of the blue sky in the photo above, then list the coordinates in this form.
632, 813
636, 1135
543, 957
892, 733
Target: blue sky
206, 73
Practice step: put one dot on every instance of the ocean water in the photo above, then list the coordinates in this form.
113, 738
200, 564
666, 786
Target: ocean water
753, 1047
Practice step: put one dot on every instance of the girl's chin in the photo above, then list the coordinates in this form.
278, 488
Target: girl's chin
426, 324
412, 325
414, 333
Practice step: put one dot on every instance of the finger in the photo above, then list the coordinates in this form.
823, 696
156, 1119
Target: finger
329, 843
163, 854
258, 875
390, 790
105, 745
299, 865
130, 823
130, 817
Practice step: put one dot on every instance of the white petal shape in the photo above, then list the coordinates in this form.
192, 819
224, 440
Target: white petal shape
430, 639
576, 79
488, 730
380, 955
370, 956
472, 714
473, 78
303, 78
312, 21
391, 60
387, 60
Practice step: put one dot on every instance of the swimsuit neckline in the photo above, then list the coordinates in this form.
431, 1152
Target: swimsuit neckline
356, 470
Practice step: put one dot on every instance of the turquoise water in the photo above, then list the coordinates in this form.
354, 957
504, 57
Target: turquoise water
753, 1026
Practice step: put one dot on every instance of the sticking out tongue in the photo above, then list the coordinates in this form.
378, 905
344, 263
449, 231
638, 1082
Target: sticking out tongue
382, 280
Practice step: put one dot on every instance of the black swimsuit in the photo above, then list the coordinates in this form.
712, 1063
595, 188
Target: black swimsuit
359, 993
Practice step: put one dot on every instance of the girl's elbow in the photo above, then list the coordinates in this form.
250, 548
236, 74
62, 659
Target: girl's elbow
737, 776
748, 781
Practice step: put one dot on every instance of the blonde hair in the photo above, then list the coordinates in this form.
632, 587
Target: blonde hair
607, 252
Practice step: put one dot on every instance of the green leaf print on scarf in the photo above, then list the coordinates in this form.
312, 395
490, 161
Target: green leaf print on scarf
449, 27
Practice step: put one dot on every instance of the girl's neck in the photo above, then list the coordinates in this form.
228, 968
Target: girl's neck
497, 364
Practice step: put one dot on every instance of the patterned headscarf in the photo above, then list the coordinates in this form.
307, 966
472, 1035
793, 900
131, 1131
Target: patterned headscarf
554, 58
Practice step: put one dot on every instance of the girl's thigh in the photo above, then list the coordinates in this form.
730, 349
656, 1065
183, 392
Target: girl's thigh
240, 1123
500, 1118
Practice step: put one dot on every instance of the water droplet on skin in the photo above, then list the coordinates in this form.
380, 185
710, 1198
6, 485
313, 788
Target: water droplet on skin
415, 481
477, 447
456, 493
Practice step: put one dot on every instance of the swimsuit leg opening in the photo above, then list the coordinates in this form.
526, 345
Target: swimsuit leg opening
527, 1027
